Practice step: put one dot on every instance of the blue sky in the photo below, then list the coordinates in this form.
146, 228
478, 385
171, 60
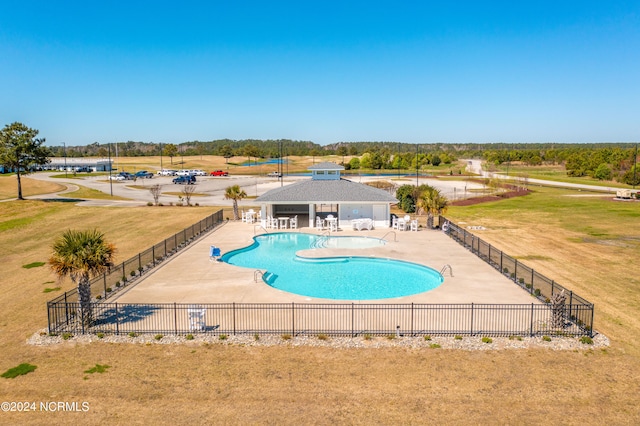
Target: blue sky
325, 71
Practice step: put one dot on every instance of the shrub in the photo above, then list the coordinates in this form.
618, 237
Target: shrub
97, 369
132, 273
434, 346
367, 336
160, 204
586, 340
505, 270
49, 290
323, 337
140, 269
149, 203
118, 284
98, 297
109, 289
20, 370
33, 265
457, 337
223, 337
427, 337
391, 336
66, 336
286, 337
546, 338
521, 280
256, 337
158, 336
513, 276
124, 279
189, 337
529, 285
537, 292
487, 340
132, 334
100, 335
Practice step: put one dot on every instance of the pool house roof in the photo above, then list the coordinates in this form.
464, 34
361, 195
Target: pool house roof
326, 191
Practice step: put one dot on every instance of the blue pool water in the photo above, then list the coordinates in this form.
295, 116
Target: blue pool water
341, 278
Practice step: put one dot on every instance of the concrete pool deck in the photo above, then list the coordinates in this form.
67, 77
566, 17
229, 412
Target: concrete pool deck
190, 277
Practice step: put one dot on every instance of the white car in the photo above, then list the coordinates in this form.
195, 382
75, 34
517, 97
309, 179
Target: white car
167, 172
183, 173
116, 177
198, 172
274, 174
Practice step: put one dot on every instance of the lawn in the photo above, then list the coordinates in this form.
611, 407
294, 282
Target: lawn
589, 244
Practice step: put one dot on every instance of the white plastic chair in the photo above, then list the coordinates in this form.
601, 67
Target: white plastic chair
414, 225
293, 222
319, 223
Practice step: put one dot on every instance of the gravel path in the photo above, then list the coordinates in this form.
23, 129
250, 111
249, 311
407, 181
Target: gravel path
436, 342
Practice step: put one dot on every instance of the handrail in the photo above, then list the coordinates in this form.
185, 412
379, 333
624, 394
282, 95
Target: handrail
257, 273
444, 268
260, 226
395, 236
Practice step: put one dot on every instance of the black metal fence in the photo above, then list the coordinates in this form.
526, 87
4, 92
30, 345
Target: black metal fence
312, 319
125, 274
574, 316
579, 310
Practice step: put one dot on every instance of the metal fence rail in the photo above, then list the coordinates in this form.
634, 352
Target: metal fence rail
123, 275
579, 310
313, 319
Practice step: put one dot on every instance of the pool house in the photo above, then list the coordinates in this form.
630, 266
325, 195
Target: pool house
327, 195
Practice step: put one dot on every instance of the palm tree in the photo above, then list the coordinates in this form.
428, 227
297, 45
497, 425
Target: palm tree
235, 193
432, 200
82, 255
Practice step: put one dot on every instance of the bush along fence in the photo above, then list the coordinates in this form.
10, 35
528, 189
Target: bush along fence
295, 319
128, 272
577, 310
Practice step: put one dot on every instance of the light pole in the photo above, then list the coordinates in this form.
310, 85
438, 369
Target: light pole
110, 180
417, 165
65, 158
160, 156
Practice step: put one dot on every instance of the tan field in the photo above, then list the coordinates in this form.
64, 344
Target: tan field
588, 244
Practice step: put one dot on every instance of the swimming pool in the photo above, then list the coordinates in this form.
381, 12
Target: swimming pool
340, 278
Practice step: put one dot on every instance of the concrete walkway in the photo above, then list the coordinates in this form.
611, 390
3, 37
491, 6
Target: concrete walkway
190, 277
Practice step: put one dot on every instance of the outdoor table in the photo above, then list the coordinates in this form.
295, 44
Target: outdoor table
283, 222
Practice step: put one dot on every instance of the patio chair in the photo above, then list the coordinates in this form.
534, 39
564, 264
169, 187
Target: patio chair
414, 225
197, 320
319, 223
274, 222
293, 222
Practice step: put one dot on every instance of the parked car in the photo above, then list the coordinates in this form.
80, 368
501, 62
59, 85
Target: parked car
167, 172
143, 174
274, 174
219, 173
198, 172
183, 173
126, 175
185, 180
116, 177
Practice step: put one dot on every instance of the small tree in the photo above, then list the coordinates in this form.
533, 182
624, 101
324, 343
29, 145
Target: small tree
235, 193
155, 191
82, 255
187, 193
170, 150
21, 151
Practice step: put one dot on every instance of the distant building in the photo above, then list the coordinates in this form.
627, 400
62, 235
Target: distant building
80, 164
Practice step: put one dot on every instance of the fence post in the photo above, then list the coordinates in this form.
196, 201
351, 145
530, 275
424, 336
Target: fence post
104, 282
175, 317
117, 321
515, 272
66, 307
591, 325
165, 248
411, 319
532, 275
49, 317
570, 304
352, 321
471, 330
153, 255
553, 283
501, 255
233, 311
293, 320
140, 263
531, 329
124, 273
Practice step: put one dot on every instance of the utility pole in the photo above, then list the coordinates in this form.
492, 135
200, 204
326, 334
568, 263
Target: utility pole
65, 158
110, 180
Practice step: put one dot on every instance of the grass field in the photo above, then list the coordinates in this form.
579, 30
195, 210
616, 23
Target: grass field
589, 244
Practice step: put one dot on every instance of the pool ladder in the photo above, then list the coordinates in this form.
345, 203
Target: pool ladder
257, 274
444, 269
395, 238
